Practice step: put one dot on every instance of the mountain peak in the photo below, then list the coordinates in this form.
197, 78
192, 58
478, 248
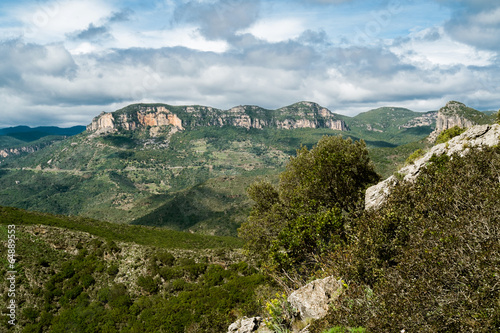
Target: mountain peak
137, 116
457, 114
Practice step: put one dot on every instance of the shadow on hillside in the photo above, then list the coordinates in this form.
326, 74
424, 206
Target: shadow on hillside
197, 205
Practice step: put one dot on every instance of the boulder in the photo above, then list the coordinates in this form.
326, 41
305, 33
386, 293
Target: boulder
245, 325
313, 299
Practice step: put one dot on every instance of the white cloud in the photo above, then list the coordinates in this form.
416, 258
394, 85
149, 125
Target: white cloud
441, 50
46, 22
277, 30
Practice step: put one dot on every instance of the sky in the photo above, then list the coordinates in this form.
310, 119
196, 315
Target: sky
62, 62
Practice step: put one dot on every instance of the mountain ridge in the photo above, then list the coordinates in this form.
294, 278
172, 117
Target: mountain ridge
298, 115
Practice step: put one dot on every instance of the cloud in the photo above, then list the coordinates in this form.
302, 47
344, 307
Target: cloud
224, 53
336, 2
91, 33
220, 19
18, 59
476, 23
123, 15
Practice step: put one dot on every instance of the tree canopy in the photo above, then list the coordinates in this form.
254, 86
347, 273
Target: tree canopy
298, 219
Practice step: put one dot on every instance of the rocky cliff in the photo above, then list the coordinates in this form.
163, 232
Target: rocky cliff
456, 114
17, 151
299, 115
475, 137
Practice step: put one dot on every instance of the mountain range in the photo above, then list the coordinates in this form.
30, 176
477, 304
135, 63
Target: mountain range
187, 167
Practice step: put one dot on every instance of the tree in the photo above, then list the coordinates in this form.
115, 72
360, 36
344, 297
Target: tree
334, 173
304, 214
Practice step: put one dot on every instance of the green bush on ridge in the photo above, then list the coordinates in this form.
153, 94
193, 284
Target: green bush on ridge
304, 216
430, 256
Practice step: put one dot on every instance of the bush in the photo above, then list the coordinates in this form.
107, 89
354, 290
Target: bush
305, 237
449, 133
431, 254
280, 314
303, 216
148, 284
113, 270
414, 156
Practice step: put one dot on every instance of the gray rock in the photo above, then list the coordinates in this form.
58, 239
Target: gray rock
245, 325
475, 137
313, 299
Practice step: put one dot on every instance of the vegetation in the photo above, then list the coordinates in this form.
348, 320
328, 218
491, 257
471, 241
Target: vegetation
415, 156
119, 232
303, 217
427, 260
70, 280
463, 111
449, 133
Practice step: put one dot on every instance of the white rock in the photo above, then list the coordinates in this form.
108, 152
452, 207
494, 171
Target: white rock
313, 299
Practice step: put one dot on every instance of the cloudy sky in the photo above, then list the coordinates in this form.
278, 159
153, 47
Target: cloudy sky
64, 61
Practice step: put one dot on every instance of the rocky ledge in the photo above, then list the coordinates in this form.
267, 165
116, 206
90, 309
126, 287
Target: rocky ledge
475, 137
299, 115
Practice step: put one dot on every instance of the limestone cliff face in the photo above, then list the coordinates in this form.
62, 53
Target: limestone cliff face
145, 116
475, 137
454, 114
299, 115
17, 151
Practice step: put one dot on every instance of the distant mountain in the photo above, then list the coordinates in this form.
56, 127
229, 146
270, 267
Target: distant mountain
27, 134
392, 126
187, 167
458, 114
23, 139
299, 115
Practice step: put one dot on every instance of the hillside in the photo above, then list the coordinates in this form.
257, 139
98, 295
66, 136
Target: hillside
20, 140
81, 275
392, 126
188, 167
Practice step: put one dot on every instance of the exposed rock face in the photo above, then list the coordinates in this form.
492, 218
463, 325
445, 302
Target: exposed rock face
245, 325
145, 116
451, 115
299, 115
477, 136
427, 119
17, 151
313, 299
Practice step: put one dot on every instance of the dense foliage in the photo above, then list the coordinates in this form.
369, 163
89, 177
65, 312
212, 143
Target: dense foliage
303, 217
429, 259
73, 281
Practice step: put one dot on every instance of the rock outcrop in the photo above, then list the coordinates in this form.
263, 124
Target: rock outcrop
426, 119
245, 325
17, 151
313, 299
475, 137
299, 115
455, 114
144, 117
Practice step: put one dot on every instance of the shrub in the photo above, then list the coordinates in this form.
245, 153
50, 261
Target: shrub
431, 253
414, 156
449, 133
148, 284
113, 270
305, 237
280, 314
303, 216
